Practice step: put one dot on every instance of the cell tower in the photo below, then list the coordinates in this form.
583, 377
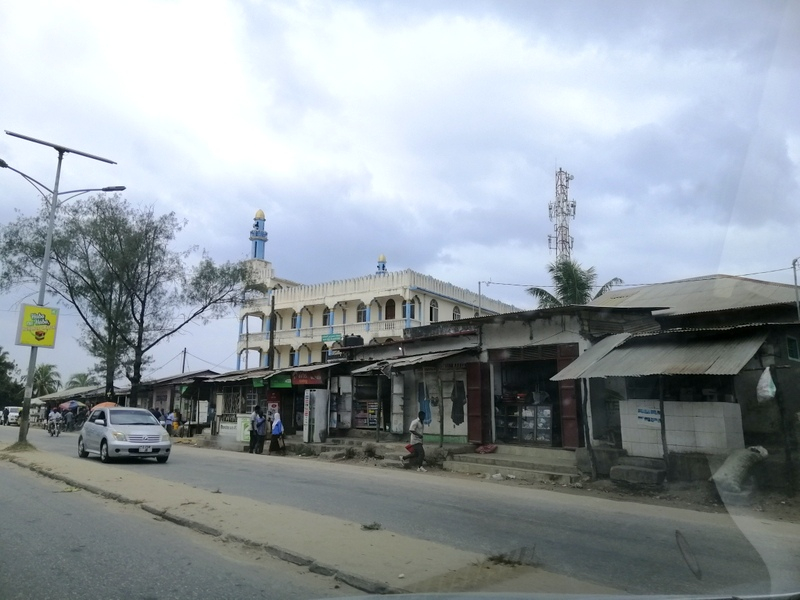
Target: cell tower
561, 209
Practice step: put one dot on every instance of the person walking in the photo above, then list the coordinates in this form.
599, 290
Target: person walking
277, 443
417, 455
253, 434
5, 415
261, 429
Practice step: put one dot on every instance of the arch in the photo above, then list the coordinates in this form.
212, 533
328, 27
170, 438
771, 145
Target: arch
409, 309
456, 313
324, 353
390, 309
361, 313
294, 320
434, 311
326, 317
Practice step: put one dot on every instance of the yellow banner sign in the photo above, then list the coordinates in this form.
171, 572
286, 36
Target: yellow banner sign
37, 326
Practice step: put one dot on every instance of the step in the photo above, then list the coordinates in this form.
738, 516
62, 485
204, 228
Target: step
643, 462
517, 462
523, 474
539, 452
637, 475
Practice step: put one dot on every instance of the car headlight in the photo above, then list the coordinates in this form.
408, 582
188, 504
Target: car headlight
165, 437
119, 436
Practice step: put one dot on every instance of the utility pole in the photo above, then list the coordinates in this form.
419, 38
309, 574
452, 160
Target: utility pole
561, 210
271, 349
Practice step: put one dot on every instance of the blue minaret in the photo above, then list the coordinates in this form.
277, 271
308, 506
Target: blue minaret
258, 236
381, 270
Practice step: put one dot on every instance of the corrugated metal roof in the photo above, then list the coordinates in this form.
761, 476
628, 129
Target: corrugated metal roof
76, 392
408, 361
702, 294
665, 355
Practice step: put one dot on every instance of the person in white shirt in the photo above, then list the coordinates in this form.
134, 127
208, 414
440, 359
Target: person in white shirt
417, 455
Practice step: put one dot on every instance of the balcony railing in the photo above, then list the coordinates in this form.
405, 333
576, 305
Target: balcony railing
305, 335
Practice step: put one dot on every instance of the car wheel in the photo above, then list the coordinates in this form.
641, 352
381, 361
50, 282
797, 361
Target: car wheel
104, 457
162, 459
82, 453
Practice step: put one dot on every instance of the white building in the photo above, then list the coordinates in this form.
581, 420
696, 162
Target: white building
312, 320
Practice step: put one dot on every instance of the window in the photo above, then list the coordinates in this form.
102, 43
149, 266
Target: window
792, 348
361, 313
324, 353
326, 317
292, 357
408, 309
456, 313
294, 320
389, 310
434, 312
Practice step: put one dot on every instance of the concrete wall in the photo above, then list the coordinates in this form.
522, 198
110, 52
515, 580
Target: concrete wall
704, 427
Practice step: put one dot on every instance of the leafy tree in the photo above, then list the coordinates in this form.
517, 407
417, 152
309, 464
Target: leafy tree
11, 390
46, 380
77, 380
572, 285
113, 263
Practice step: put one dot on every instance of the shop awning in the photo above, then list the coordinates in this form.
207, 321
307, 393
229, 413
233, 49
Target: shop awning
307, 368
407, 361
623, 355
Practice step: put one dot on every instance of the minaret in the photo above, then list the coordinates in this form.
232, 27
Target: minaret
381, 270
258, 236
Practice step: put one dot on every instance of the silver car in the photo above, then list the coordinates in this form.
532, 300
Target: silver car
123, 433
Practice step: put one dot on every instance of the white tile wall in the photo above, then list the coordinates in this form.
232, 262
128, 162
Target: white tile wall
707, 427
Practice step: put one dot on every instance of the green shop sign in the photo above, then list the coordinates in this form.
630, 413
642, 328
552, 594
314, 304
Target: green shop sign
281, 380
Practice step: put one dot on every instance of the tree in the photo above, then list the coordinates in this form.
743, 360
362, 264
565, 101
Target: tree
113, 263
11, 390
77, 380
46, 380
572, 285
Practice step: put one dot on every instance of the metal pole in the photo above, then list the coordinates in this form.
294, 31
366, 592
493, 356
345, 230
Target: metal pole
479, 299
51, 223
796, 294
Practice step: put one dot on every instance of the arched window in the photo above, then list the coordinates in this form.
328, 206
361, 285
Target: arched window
456, 313
292, 357
326, 317
324, 356
409, 312
434, 312
389, 310
294, 320
361, 313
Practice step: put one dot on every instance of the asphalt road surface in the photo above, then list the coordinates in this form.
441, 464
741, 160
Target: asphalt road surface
61, 543
643, 550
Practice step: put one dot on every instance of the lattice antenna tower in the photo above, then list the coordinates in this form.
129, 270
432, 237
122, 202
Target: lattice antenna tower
561, 210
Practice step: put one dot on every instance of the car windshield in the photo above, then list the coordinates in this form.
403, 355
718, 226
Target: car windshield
402, 296
132, 417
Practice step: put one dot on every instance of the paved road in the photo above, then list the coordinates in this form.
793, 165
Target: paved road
621, 545
62, 543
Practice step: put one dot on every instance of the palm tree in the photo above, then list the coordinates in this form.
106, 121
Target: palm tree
46, 380
81, 380
572, 285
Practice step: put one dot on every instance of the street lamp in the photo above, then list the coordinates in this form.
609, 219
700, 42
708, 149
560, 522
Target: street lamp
53, 206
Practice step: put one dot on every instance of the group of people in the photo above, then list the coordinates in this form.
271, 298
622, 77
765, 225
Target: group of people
172, 420
69, 419
259, 424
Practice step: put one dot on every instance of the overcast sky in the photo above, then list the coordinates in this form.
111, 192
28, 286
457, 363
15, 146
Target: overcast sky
426, 131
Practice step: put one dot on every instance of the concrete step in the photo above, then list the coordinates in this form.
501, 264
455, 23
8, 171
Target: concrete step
554, 455
542, 475
637, 475
514, 461
643, 462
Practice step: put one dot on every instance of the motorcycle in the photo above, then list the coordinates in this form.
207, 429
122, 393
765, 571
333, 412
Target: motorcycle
55, 428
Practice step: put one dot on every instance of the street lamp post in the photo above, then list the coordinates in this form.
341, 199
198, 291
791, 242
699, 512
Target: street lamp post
51, 220
796, 293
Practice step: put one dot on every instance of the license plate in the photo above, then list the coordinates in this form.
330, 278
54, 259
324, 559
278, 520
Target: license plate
145, 448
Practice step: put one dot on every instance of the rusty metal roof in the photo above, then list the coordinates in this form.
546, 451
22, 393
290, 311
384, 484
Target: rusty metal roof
624, 355
701, 294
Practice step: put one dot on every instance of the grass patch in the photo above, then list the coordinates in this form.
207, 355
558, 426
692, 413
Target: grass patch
374, 526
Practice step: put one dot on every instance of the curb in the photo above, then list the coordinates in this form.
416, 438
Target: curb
361, 583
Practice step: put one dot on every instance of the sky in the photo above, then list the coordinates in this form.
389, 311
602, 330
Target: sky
426, 131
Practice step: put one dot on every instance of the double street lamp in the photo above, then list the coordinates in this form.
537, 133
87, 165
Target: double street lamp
53, 203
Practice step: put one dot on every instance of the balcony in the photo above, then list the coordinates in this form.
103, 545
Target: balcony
308, 335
